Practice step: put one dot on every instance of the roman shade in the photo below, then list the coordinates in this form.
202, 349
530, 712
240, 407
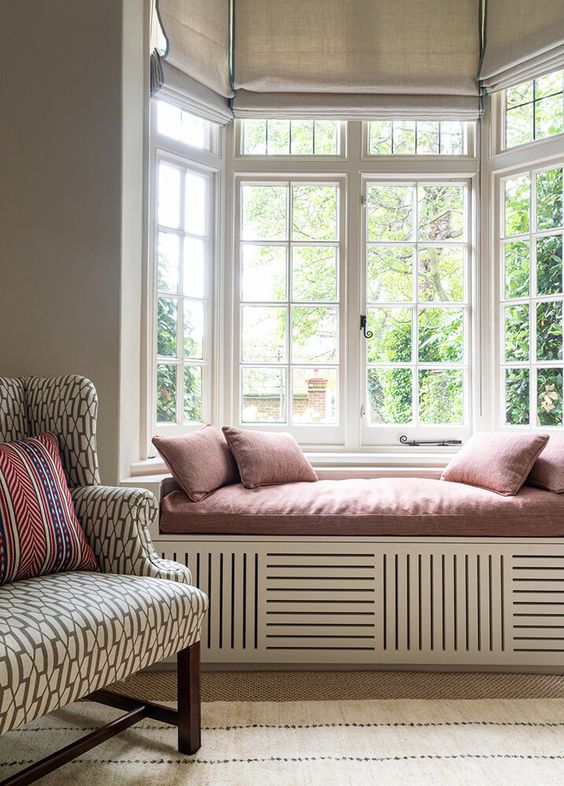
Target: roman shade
357, 58
524, 39
196, 65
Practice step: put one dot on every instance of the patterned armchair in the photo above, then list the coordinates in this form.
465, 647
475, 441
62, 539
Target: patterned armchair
69, 635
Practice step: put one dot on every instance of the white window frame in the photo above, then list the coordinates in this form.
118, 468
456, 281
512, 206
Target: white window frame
470, 146
498, 288
210, 164
384, 434
310, 434
497, 164
238, 133
354, 167
532, 151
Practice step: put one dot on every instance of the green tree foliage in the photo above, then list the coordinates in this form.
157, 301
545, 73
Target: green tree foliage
547, 314
439, 278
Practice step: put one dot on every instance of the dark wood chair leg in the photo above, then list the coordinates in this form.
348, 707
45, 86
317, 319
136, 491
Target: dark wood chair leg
189, 716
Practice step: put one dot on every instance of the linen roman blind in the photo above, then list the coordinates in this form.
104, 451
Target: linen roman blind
524, 39
196, 65
357, 58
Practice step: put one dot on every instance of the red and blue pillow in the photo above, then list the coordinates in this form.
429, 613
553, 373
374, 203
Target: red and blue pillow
39, 531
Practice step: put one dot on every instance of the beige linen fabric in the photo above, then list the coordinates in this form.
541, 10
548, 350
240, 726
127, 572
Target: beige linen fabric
523, 40
382, 47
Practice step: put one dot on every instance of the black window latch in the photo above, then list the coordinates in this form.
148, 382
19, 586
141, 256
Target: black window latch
442, 443
363, 323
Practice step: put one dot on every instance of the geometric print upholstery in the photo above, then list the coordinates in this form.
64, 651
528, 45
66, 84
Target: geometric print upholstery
116, 524
39, 531
65, 635
66, 406
13, 413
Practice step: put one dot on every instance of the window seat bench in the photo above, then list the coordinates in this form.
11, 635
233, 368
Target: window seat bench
402, 507
373, 573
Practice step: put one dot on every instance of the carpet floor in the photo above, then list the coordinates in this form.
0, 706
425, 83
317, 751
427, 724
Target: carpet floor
348, 685
337, 743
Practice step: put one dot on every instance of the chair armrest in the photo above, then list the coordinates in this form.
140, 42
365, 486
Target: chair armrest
116, 523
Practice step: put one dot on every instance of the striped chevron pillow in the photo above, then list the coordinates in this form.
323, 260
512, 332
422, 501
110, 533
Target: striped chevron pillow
39, 531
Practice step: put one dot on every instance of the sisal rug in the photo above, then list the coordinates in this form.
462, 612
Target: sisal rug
342, 685
439, 742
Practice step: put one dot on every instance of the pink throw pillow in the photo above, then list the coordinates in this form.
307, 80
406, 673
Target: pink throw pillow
200, 462
548, 470
499, 462
266, 459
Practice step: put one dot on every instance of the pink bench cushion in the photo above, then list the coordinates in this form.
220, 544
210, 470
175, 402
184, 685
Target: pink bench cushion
384, 506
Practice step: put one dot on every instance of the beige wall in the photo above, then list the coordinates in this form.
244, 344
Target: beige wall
64, 229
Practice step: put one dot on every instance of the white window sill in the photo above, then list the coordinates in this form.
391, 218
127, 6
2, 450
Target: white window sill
392, 463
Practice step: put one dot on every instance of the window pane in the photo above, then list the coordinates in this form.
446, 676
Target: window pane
549, 397
519, 125
517, 396
314, 395
519, 94
549, 85
254, 137
302, 137
549, 118
314, 212
441, 273
194, 267
326, 138
180, 125
169, 196
441, 396
549, 265
517, 265
427, 138
264, 212
392, 339
263, 395
168, 254
166, 393
452, 138
195, 220
167, 317
193, 394
169, 120
549, 199
441, 212
193, 329
517, 332
314, 273
195, 131
278, 137
314, 334
389, 274
264, 273
517, 205
264, 333
404, 137
389, 212
549, 331
441, 335
380, 138
390, 393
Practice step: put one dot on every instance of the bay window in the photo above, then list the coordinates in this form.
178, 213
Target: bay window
338, 304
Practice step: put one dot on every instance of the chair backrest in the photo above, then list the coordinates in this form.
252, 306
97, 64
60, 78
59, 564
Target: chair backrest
66, 406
